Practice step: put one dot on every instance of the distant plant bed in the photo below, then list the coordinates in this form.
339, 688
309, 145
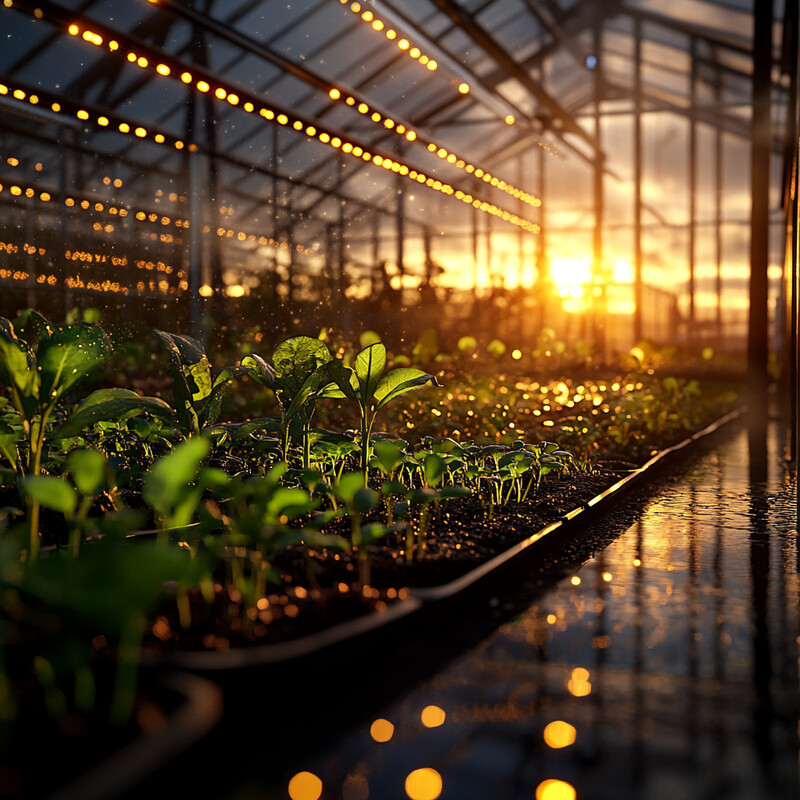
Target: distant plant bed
269, 528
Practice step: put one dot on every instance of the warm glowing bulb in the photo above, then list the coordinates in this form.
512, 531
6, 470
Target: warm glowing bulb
404, 44
163, 69
510, 120
334, 94
559, 734
220, 93
381, 730
553, 789
463, 88
423, 784
203, 86
432, 716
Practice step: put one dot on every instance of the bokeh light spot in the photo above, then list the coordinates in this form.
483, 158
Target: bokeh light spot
432, 716
559, 734
424, 784
305, 786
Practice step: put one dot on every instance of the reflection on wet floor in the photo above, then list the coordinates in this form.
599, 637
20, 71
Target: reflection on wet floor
665, 667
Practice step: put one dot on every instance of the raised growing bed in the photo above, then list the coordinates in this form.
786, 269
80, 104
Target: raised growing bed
423, 598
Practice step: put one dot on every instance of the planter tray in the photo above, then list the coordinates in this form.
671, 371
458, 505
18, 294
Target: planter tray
197, 714
421, 598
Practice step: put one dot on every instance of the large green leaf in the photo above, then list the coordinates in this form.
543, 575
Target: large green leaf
399, 381
105, 404
187, 354
369, 365
88, 470
18, 365
51, 492
295, 360
67, 355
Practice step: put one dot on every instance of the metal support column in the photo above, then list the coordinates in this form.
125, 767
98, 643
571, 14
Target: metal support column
758, 319
195, 239
637, 184
692, 186
718, 188
598, 288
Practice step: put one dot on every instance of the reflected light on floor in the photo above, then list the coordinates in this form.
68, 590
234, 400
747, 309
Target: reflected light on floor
424, 784
559, 734
305, 786
432, 716
381, 730
553, 789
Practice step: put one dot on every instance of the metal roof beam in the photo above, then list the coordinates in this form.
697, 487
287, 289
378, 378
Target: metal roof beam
479, 34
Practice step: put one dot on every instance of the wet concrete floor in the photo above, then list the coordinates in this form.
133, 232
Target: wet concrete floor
664, 667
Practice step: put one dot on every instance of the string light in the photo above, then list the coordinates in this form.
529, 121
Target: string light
369, 18
57, 15
145, 215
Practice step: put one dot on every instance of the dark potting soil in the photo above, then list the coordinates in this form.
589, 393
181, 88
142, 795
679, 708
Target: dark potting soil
319, 588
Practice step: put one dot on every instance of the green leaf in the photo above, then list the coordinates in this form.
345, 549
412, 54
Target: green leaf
344, 378
348, 485
399, 381
166, 483
435, 467
307, 393
9, 437
259, 370
369, 366
88, 470
389, 455
69, 354
17, 364
51, 492
111, 404
294, 361
222, 385
454, 491
200, 376
365, 500
183, 353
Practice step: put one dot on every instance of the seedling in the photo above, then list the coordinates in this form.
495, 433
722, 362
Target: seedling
371, 392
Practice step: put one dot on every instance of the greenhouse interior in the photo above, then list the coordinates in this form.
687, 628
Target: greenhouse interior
399, 400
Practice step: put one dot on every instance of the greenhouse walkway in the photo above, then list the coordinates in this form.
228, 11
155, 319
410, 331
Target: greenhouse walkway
664, 667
